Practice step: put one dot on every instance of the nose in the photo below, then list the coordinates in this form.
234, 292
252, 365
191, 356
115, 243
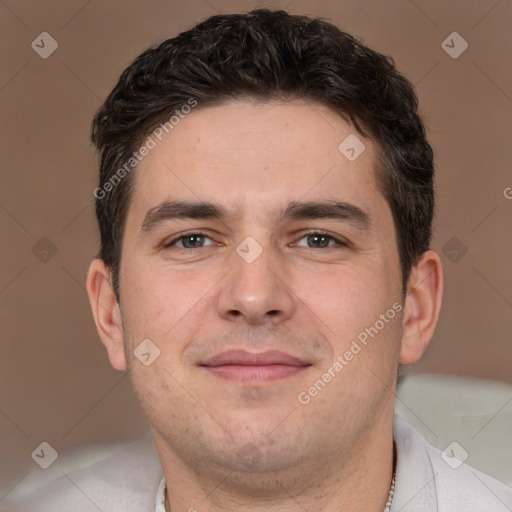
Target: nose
256, 292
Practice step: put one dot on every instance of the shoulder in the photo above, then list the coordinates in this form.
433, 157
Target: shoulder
431, 479
121, 478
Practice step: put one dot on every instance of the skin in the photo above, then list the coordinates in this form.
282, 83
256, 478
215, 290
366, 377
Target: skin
334, 453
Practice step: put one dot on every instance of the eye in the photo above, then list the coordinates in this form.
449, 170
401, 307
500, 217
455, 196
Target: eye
319, 240
193, 240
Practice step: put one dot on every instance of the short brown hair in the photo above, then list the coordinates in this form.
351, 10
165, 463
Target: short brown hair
269, 55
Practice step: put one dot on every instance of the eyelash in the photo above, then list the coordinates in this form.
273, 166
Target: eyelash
171, 243
339, 242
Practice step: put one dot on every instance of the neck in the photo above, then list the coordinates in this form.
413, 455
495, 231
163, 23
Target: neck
358, 481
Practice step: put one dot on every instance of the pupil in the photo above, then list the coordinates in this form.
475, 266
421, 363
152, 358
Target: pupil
192, 241
319, 240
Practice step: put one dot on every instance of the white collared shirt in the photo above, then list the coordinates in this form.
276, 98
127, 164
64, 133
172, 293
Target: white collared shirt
127, 481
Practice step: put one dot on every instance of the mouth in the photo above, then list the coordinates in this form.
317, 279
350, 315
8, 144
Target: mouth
254, 368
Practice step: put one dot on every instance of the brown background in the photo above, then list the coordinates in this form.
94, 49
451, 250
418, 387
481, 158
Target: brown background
56, 384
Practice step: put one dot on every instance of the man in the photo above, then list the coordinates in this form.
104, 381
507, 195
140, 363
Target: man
265, 206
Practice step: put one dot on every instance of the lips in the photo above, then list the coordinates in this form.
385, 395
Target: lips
242, 357
254, 368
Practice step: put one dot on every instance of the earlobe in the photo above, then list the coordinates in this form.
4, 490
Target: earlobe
422, 306
106, 313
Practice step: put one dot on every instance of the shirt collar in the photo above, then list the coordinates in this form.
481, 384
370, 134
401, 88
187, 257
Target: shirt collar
415, 487
160, 497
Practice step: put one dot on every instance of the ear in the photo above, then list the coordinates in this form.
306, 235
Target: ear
422, 305
106, 312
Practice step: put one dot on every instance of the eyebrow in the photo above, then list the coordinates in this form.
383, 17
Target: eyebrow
336, 210
296, 210
169, 210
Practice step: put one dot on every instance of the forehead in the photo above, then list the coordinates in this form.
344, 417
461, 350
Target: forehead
255, 155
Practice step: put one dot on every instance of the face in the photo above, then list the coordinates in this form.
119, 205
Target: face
256, 256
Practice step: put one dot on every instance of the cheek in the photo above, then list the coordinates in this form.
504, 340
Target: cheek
346, 300
156, 299
155, 392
